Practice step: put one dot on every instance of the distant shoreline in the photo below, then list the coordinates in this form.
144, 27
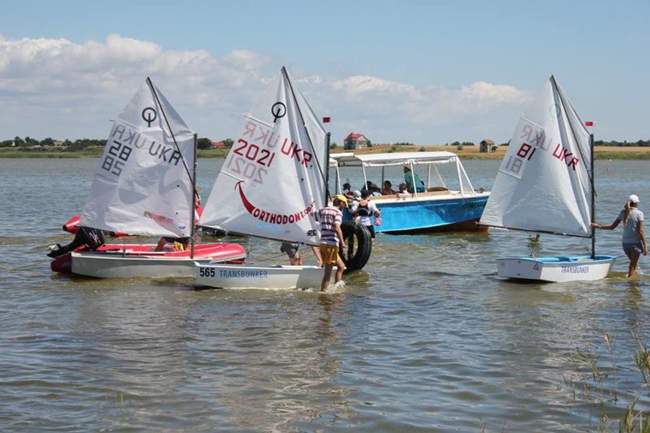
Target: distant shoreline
467, 153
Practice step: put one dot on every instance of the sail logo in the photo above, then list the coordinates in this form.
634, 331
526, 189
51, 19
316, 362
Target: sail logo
272, 217
129, 138
292, 150
574, 269
563, 154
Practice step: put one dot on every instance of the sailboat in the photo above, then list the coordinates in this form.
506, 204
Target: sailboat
271, 184
545, 184
144, 185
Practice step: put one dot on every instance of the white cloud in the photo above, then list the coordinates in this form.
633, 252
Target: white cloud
61, 88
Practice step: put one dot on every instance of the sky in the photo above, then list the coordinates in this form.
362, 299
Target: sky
427, 72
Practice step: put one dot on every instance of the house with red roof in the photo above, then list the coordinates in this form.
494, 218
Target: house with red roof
354, 140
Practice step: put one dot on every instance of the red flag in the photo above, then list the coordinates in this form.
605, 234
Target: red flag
326, 119
589, 123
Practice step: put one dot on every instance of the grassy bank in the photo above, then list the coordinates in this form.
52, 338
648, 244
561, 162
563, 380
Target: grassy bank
468, 152
93, 153
47, 154
472, 152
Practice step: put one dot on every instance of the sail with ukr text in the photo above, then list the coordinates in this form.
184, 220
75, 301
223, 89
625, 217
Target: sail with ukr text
273, 179
142, 183
543, 183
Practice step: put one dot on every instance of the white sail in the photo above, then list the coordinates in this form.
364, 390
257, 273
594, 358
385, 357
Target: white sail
272, 180
142, 183
543, 183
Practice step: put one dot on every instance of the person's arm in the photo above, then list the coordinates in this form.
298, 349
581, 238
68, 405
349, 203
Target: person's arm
339, 234
316, 252
612, 226
643, 240
377, 212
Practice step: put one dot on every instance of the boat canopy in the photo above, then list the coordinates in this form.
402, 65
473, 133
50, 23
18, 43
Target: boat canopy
388, 159
412, 159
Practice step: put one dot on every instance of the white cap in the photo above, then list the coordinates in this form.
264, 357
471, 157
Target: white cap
633, 198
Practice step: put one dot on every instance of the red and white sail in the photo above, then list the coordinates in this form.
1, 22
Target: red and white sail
273, 179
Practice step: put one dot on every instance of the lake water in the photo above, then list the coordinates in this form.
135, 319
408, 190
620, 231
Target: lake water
425, 338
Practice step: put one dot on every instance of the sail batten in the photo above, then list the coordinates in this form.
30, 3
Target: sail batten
543, 181
271, 183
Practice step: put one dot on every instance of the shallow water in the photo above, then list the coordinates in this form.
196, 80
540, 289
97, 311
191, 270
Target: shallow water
426, 338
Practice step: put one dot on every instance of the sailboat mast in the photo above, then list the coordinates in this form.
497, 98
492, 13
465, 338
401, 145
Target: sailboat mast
311, 145
194, 192
327, 169
593, 197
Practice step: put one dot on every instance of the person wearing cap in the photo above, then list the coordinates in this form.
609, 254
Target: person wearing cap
331, 239
634, 241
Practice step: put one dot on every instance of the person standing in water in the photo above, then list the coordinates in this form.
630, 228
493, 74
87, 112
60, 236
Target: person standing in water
634, 241
365, 209
331, 240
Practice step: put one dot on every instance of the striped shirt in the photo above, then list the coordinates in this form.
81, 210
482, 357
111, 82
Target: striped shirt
329, 218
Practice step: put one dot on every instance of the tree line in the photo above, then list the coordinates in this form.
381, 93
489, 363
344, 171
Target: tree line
49, 143
205, 143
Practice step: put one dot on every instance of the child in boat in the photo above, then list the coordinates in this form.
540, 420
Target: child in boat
85, 236
181, 244
365, 209
347, 190
634, 241
372, 188
388, 188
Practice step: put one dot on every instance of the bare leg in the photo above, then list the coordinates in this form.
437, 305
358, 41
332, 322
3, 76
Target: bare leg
327, 274
316, 252
634, 261
340, 267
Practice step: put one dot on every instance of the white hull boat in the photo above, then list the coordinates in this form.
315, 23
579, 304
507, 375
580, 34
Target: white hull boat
145, 184
555, 269
258, 277
152, 264
270, 185
545, 184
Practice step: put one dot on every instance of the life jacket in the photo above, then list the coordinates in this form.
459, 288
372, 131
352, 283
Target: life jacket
363, 209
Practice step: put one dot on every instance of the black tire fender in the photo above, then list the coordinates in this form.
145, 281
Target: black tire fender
358, 246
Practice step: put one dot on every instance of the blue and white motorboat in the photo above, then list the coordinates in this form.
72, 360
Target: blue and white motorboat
428, 206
